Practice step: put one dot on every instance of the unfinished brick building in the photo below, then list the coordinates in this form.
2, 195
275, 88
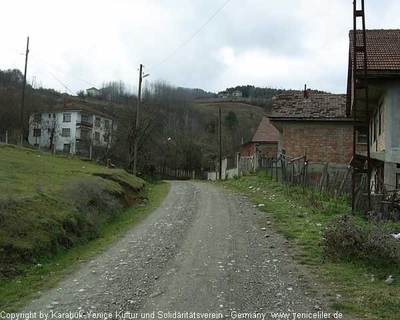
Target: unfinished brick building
316, 123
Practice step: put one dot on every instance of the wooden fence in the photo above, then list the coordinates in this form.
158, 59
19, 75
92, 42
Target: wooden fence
325, 177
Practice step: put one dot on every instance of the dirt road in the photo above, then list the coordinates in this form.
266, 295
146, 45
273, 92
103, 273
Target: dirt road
201, 254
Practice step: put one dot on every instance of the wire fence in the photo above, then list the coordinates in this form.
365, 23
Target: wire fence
10, 137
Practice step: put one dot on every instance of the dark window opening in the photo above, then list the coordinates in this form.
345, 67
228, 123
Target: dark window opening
37, 132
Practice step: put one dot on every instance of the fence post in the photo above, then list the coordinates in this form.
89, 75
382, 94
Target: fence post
7, 136
327, 181
292, 172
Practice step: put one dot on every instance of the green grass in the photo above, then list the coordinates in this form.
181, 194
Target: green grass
26, 172
302, 215
49, 203
16, 292
57, 210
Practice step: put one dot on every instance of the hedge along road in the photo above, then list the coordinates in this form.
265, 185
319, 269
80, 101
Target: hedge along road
201, 254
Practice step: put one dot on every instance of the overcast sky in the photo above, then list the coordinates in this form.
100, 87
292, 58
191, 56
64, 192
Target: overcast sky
281, 44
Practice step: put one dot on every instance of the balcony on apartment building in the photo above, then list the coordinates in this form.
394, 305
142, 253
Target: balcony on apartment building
83, 121
83, 135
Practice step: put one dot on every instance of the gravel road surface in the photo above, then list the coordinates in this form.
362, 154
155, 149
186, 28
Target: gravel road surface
204, 252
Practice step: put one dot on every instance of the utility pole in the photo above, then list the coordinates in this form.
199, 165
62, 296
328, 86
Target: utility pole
135, 158
23, 92
220, 145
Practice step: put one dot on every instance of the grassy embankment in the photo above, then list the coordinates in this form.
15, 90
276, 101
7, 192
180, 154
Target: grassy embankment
58, 211
303, 217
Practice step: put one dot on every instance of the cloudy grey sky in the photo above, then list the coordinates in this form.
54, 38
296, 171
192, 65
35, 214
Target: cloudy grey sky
279, 43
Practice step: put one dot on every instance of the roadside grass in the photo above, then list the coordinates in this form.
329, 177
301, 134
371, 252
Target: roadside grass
56, 211
25, 172
302, 215
49, 270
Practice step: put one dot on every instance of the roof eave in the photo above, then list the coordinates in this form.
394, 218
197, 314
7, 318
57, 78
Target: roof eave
311, 119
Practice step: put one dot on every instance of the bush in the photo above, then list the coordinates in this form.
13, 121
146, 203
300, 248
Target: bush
371, 243
92, 198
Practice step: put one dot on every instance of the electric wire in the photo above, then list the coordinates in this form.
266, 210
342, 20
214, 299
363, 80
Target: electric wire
54, 76
189, 39
63, 71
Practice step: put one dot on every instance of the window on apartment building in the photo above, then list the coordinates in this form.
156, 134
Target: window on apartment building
106, 136
362, 136
107, 124
97, 136
84, 118
37, 118
97, 122
49, 115
66, 117
37, 132
66, 132
371, 129
380, 119
376, 124
84, 135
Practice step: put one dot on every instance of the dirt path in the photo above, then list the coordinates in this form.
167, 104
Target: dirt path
201, 253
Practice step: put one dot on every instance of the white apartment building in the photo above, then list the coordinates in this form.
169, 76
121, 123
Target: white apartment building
74, 130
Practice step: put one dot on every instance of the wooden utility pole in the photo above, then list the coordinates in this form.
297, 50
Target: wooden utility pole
137, 122
23, 92
220, 145
141, 76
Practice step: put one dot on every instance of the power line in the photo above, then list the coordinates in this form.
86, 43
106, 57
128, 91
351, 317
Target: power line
187, 41
65, 72
61, 83
54, 76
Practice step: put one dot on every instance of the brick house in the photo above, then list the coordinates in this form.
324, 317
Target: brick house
265, 140
263, 145
316, 123
383, 63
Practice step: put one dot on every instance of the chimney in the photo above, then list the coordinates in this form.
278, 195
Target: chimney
305, 92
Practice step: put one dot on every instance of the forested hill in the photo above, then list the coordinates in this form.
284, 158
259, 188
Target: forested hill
250, 91
178, 126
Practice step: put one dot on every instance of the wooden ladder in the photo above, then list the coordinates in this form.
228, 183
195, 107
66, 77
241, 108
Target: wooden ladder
360, 93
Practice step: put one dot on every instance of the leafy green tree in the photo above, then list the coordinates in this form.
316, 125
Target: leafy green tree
231, 120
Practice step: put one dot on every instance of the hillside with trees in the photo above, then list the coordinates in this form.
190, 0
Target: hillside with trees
178, 126
262, 97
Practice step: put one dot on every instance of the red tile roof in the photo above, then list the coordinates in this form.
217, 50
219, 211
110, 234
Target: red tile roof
383, 51
317, 106
266, 132
383, 56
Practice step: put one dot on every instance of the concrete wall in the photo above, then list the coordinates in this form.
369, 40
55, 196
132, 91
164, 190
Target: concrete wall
225, 172
53, 122
387, 146
393, 122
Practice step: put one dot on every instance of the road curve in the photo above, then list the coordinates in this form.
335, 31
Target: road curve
201, 254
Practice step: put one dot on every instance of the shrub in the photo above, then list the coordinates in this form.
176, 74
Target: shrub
91, 198
371, 243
